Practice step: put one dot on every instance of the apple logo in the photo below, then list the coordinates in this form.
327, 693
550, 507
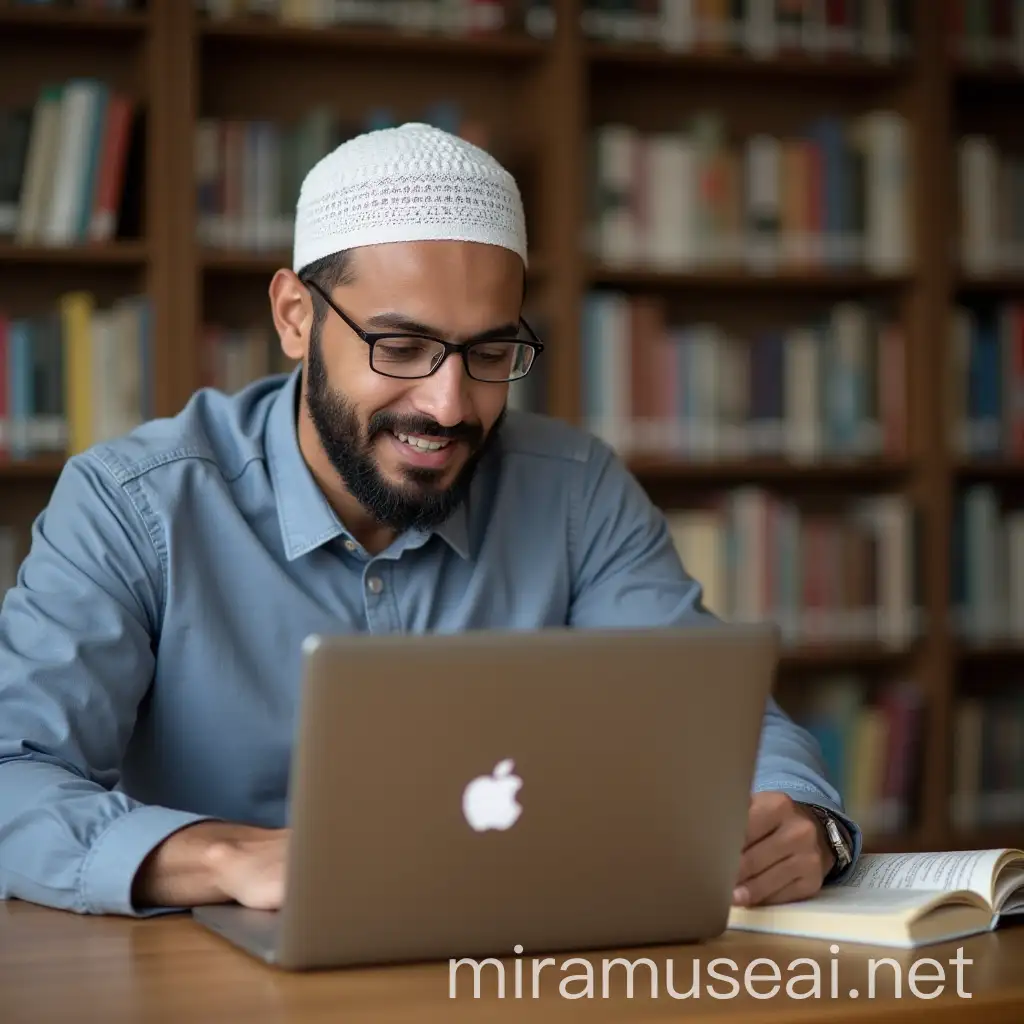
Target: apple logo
489, 801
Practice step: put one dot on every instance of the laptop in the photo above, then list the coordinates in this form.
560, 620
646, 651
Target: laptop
494, 793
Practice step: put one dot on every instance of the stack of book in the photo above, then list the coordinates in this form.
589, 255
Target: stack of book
74, 375
847, 572
830, 388
871, 742
837, 196
986, 381
991, 207
986, 33
234, 357
453, 17
987, 568
68, 166
876, 29
988, 760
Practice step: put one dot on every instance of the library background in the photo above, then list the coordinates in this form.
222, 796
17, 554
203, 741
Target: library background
777, 254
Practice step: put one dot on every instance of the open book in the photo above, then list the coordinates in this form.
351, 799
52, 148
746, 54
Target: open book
902, 899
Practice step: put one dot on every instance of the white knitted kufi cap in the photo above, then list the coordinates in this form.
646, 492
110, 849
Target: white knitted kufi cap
406, 184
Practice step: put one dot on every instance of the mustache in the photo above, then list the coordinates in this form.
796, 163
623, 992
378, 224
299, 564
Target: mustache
398, 424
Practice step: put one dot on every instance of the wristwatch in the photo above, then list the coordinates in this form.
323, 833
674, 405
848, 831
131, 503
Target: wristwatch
836, 838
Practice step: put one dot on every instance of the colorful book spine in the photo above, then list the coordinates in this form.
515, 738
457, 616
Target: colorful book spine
871, 742
66, 166
988, 760
987, 562
848, 573
73, 375
830, 388
878, 30
834, 197
248, 172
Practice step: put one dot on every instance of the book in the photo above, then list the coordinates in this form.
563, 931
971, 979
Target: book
827, 195
846, 573
902, 899
988, 758
74, 374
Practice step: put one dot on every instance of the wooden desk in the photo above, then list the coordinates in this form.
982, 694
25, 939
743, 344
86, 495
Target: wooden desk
59, 967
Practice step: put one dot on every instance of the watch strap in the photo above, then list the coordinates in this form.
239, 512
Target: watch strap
835, 838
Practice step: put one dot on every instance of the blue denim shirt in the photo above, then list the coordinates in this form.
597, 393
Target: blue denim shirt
150, 651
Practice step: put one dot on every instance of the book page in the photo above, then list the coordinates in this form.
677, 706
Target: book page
840, 900
1010, 890
878, 910
967, 869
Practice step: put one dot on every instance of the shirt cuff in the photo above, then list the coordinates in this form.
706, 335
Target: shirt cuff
110, 866
846, 824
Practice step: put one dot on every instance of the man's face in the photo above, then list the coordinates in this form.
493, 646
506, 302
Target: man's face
406, 449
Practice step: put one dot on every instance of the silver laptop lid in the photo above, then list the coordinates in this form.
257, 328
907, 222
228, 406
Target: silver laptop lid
459, 795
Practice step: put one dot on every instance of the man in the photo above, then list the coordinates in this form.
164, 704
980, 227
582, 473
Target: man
149, 655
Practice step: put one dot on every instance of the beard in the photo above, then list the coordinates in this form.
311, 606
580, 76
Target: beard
419, 503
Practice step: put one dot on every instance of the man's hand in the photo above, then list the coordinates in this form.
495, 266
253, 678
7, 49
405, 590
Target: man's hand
215, 862
786, 854
251, 869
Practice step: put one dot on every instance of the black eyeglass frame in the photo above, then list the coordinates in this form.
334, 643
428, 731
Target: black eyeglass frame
371, 339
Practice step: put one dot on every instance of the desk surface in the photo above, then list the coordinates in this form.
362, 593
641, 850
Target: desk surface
56, 966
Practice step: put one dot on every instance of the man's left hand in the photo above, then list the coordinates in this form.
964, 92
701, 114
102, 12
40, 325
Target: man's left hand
786, 854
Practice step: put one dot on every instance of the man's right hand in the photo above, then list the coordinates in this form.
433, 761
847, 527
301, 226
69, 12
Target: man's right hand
215, 862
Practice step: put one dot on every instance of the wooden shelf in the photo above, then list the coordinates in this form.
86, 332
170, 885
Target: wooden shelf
1003, 282
16, 471
249, 32
989, 838
897, 842
779, 471
826, 67
996, 75
842, 653
740, 280
995, 650
50, 20
111, 253
238, 261
989, 469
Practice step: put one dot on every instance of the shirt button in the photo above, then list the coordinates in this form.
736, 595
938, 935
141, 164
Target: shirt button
350, 545
375, 584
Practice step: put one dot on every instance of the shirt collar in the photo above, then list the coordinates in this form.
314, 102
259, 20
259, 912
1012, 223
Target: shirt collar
304, 515
454, 531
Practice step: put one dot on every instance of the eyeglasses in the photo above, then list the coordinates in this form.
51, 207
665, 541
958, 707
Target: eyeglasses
409, 356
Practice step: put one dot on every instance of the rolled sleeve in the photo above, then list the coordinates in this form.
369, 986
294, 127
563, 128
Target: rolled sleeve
77, 637
110, 866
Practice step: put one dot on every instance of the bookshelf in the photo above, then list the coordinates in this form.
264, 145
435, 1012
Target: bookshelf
541, 95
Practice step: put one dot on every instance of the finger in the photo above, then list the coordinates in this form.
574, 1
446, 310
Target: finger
260, 889
800, 870
761, 887
762, 855
265, 894
800, 889
767, 812
253, 874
